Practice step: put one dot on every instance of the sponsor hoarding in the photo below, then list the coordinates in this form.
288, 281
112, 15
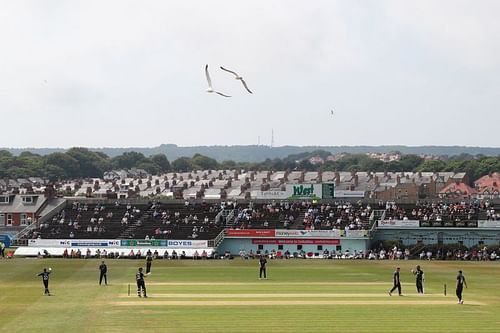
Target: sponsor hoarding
356, 233
250, 233
304, 191
278, 195
488, 224
398, 224
142, 242
299, 191
298, 241
187, 244
74, 242
308, 233
349, 194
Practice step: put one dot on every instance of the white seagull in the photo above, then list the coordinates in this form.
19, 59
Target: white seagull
210, 89
237, 78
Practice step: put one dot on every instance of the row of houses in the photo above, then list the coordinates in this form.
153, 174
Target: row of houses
239, 184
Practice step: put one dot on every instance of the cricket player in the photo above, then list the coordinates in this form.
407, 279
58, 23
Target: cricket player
139, 277
397, 282
419, 279
460, 286
262, 264
45, 278
104, 273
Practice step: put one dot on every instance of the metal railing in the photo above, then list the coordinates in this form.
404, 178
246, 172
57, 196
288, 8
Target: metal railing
19, 238
217, 240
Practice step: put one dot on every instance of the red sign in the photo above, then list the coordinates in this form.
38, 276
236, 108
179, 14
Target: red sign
251, 233
298, 241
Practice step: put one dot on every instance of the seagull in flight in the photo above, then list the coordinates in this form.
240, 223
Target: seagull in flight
331, 112
237, 77
210, 89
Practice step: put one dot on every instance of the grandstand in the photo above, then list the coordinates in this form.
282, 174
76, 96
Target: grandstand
256, 210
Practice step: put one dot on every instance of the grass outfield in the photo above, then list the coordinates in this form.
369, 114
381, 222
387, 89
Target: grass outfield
227, 296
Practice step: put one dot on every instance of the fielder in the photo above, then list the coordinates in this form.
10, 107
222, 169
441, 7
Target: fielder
45, 278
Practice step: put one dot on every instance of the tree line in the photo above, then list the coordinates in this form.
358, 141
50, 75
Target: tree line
84, 163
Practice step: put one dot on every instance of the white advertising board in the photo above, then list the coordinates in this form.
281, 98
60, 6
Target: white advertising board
74, 243
488, 224
398, 224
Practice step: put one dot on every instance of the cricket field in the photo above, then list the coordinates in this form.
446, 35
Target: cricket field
227, 296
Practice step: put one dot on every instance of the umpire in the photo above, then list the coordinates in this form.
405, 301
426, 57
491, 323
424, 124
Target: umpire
149, 261
104, 273
139, 278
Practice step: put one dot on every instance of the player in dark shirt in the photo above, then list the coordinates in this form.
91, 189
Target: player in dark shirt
104, 273
460, 286
262, 264
419, 275
397, 282
149, 261
45, 278
139, 278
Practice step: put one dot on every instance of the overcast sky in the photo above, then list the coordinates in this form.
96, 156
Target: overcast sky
131, 73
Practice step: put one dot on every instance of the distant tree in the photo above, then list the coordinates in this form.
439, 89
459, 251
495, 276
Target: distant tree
128, 160
182, 164
161, 161
432, 166
204, 162
91, 164
150, 167
68, 164
228, 164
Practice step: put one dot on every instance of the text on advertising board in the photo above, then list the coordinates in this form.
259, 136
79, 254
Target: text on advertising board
298, 241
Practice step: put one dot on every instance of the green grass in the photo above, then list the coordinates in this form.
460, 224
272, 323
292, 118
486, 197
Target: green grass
79, 304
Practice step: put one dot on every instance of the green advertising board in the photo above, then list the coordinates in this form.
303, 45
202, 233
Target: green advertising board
143, 242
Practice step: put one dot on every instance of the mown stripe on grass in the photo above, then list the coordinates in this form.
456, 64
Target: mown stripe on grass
141, 303
281, 295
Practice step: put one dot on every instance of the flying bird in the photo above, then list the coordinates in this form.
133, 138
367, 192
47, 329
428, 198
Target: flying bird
210, 89
237, 77
331, 111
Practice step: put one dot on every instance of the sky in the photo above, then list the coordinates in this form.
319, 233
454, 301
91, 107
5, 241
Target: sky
119, 73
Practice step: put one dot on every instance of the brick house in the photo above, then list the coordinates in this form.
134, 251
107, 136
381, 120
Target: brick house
20, 210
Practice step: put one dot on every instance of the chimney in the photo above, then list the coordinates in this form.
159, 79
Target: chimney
398, 180
420, 174
320, 177
337, 179
375, 179
356, 180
